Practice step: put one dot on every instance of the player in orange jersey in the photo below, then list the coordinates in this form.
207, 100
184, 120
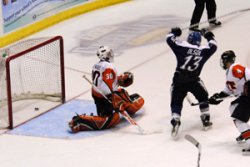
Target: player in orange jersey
237, 84
109, 95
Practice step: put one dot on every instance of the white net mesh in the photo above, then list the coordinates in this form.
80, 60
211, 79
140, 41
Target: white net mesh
35, 73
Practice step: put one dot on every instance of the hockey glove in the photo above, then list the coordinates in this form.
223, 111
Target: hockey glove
126, 79
176, 31
217, 98
207, 34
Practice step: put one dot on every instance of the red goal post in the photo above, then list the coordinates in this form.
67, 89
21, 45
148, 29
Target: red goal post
32, 71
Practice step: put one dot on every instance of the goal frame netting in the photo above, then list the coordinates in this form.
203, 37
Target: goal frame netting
11, 58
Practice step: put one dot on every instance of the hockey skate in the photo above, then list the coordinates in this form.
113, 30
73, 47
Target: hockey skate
215, 23
176, 124
194, 28
205, 118
240, 139
246, 151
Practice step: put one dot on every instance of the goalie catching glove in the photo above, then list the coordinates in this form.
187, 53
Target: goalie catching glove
126, 79
217, 98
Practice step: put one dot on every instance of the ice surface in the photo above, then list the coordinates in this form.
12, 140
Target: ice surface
153, 65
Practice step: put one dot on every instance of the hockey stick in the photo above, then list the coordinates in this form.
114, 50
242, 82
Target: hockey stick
202, 102
192, 103
192, 140
124, 113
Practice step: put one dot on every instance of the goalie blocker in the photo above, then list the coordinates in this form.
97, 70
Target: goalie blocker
121, 101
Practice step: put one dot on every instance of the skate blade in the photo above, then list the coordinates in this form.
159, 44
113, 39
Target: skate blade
174, 132
241, 141
246, 153
206, 128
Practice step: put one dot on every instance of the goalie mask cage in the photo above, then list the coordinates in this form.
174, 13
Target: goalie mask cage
32, 74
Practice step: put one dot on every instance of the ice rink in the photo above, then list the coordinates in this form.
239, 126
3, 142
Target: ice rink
136, 31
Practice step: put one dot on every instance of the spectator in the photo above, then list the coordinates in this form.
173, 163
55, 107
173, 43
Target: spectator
5, 2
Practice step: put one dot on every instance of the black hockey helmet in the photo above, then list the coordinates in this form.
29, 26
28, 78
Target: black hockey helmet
227, 57
247, 88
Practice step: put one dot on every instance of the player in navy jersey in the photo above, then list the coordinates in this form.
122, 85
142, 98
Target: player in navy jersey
191, 57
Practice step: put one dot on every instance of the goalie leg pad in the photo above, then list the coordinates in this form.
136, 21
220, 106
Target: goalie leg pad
89, 123
130, 103
120, 96
136, 104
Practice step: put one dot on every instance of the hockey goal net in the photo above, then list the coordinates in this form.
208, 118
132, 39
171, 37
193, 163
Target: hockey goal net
32, 79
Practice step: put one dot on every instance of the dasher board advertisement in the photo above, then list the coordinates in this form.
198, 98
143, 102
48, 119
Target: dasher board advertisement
18, 13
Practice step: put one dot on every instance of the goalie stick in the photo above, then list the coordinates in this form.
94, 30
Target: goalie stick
124, 113
192, 140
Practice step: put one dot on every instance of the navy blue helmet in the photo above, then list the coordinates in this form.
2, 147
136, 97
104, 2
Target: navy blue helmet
194, 38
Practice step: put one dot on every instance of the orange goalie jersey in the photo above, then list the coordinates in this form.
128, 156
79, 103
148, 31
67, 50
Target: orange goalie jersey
109, 97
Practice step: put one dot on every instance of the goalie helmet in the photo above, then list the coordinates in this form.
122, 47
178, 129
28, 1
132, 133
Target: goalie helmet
226, 58
105, 53
247, 88
194, 38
